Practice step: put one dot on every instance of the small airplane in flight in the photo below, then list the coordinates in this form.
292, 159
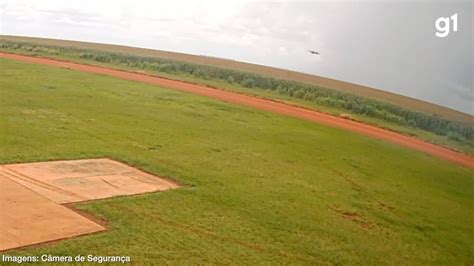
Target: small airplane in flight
313, 52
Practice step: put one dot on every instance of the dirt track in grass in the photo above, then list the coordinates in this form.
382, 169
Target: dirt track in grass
264, 104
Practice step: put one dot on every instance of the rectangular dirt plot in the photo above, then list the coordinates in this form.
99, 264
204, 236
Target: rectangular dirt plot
27, 218
31, 195
81, 180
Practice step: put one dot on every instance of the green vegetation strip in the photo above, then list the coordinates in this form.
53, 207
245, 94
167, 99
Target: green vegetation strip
261, 188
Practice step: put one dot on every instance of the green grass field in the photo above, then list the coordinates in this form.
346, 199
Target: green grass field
426, 129
260, 188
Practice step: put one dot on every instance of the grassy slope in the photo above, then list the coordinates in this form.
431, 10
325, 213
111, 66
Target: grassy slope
466, 147
261, 187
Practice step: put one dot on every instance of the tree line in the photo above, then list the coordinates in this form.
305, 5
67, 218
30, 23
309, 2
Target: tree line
322, 96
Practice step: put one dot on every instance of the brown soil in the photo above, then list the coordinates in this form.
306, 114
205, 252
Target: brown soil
31, 194
264, 104
27, 218
354, 217
83, 180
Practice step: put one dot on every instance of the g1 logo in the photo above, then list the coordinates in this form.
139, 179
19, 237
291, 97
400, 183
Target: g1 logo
443, 26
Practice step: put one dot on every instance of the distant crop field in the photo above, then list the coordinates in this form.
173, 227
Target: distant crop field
258, 187
271, 71
452, 133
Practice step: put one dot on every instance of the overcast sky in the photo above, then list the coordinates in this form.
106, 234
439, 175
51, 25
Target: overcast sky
390, 45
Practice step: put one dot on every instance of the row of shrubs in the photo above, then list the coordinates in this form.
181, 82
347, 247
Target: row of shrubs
322, 96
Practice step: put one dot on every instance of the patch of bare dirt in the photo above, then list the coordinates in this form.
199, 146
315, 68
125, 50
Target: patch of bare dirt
31, 195
360, 220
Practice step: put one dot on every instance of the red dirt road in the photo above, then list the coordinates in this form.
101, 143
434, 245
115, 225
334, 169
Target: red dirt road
263, 104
